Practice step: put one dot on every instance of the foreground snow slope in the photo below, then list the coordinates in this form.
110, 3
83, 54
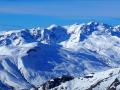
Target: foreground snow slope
28, 58
105, 80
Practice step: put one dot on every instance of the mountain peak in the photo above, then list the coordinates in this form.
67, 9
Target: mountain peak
93, 23
117, 27
52, 26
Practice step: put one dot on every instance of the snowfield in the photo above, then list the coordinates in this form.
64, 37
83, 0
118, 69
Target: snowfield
31, 57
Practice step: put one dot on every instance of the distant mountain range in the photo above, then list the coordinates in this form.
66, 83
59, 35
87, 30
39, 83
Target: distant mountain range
74, 57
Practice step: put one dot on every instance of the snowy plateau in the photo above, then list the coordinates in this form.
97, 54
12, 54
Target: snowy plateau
74, 57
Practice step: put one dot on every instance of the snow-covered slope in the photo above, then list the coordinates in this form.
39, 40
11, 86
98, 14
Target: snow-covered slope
30, 57
105, 80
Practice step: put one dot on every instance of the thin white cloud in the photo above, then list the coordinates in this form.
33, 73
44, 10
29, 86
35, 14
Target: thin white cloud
64, 9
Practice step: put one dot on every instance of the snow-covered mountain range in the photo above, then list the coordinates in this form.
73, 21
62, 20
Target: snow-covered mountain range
31, 57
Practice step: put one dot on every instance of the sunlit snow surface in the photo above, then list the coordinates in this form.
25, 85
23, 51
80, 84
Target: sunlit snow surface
30, 57
105, 80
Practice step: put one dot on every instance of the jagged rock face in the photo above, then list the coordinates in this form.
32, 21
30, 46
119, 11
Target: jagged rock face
30, 57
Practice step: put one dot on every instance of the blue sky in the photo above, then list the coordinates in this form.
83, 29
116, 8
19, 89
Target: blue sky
34, 13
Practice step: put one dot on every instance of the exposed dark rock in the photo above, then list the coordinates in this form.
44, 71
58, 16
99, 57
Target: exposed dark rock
114, 84
56, 82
